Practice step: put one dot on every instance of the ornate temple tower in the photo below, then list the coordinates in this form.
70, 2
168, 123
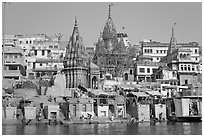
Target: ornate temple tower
76, 63
111, 54
109, 33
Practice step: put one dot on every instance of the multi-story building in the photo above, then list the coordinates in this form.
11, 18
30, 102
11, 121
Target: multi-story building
46, 57
144, 68
166, 81
26, 41
14, 64
156, 50
184, 58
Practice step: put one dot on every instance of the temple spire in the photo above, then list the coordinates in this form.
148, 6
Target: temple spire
172, 44
75, 24
109, 13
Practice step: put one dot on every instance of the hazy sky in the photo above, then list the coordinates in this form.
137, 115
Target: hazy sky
141, 20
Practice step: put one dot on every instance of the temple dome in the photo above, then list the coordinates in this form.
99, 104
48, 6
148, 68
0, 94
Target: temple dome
109, 31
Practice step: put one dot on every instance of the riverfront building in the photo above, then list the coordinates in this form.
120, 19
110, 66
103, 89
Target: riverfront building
156, 50
184, 59
26, 41
14, 63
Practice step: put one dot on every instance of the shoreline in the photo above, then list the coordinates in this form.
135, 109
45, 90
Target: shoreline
66, 122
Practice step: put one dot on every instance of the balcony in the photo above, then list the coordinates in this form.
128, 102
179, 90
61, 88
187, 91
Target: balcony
16, 61
11, 73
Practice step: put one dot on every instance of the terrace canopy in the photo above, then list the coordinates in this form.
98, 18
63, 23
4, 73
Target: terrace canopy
153, 93
140, 94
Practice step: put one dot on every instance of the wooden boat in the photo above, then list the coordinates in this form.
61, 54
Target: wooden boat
184, 109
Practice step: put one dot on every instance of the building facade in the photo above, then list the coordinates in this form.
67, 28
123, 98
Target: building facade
156, 50
14, 63
184, 58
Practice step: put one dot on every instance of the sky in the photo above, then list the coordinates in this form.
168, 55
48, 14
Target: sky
140, 20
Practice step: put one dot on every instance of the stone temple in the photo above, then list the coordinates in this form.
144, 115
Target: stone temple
112, 55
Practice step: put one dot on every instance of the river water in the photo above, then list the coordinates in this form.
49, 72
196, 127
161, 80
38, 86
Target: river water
169, 128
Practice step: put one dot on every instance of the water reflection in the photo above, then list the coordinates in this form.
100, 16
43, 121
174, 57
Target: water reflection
146, 128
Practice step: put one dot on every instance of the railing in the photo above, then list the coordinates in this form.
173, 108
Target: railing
11, 72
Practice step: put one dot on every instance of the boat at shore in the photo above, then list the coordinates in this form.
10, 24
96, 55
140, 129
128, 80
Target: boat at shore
184, 109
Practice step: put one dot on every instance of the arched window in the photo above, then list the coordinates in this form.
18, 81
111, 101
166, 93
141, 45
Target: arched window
181, 56
126, 76
43, 74
174, 74
182, 67
130, 71
38, 75
193, 68
94, 82
101, 75
189, 68
185, 67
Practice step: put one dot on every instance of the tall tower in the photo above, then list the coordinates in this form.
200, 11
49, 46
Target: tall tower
76, 61
109, 32
172, 44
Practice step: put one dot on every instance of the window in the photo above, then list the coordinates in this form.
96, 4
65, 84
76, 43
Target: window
150, 50
196, 59
55, 47
126, 76
40, 64
130, 71
145, 50
20, 42
35, 52
84, 108
196, 51
148, 70
197, 68
50, 47
186, 81
157, 51
30, 42
154, 70
142, 70
15, 56
74, 110
157, 58
193, 69
101, 75
181, 67
103, 113
26, 42
174, 74
43, 52
189, 68
160, 51
185, 67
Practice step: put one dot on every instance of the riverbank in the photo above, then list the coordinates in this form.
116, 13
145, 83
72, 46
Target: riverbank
62, 122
